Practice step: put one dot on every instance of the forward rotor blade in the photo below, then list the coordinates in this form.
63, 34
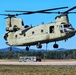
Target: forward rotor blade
66, 12
72, 12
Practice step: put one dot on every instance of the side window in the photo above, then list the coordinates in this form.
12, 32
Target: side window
16, 36
61, 28
42, 31
51, 29
33, 32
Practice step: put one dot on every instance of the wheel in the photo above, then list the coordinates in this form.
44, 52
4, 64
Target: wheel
27, 48
10, 48
55, 45
39, 46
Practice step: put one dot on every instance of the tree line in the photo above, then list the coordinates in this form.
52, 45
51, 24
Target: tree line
66, 54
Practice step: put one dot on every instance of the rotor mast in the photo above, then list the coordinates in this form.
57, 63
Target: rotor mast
63, 17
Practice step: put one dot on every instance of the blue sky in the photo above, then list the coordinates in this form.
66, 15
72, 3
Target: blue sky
36, 19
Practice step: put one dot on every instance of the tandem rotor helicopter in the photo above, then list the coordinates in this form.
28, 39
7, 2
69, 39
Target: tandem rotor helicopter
18, 34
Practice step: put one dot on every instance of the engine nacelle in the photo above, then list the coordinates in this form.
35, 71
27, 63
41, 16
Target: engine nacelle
5, 36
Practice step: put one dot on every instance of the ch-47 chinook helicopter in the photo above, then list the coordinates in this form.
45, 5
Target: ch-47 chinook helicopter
18, 34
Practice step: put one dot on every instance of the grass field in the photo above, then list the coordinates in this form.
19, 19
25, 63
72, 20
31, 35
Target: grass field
37, 70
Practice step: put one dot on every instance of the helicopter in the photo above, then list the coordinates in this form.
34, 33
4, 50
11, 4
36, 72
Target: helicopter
18, 34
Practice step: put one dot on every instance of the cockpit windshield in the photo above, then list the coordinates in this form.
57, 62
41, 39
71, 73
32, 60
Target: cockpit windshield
67, 26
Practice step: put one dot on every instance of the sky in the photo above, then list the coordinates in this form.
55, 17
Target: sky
36, 19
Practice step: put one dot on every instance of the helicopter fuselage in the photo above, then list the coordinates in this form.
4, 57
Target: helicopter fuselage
17, 34
43, 33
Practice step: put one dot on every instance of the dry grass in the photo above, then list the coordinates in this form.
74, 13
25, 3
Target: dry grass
37, 70
9, 60
63, 60
43, 60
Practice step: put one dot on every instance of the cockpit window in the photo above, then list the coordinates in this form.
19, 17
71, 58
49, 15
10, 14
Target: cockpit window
67, 26
60, 26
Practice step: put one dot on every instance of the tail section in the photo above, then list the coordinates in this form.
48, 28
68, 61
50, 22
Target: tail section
14, 24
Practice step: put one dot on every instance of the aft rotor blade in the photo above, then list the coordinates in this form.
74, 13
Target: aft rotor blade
4, 14
53, 9
10, 14
39, 11
58, 12
27, 13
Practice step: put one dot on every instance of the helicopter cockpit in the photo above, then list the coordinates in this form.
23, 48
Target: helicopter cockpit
68, 26
65, 28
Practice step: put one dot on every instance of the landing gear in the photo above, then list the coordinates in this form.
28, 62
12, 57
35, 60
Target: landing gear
55, 45
39, 45
27, 48
10, 48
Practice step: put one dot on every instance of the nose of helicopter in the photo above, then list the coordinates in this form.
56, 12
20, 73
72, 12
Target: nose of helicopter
70, 30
